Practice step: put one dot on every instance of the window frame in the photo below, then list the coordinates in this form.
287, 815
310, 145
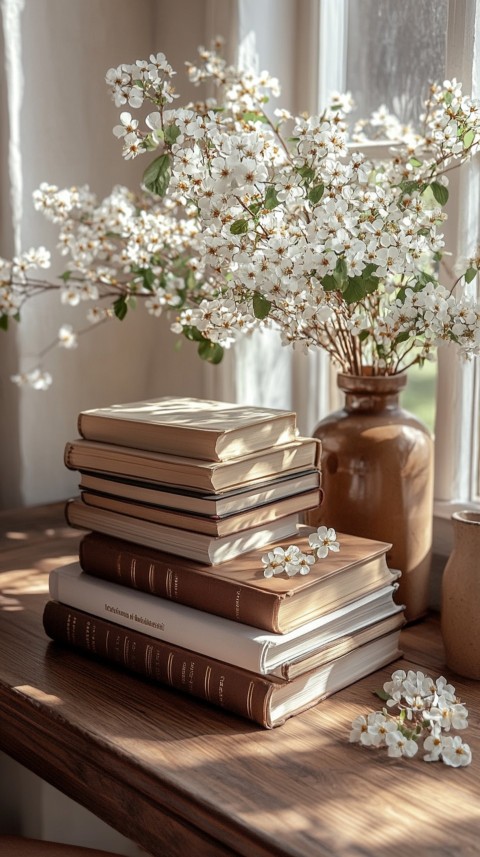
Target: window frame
457, 424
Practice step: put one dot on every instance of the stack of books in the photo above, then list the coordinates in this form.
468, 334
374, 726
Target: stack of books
188, 605
200, 479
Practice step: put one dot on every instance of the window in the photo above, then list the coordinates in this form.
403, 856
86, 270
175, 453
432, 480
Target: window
388, 52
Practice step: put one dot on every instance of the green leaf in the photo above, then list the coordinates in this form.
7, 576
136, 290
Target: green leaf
329, 283
239, 227
470, 274
193, 334
415, 162
147, 277
66, 276
358, 287
261, 306
3, 322
189, 280
440, 192
254, 116
354, 291
120, 307
402, 337
157, 176
306, 173
382, 695
271, 200
468, 139
131, 301
448, 97
316, 193
364, 335
410, 186
212, 352
171, 133
340, 273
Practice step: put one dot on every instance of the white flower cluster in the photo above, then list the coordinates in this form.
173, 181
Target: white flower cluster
292, 560
304, 234
122, 249
252, 217
425, 711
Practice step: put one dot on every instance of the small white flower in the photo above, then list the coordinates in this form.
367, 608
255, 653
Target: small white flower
67, 338
398, 745
433, 745
36, 378
455, 753
274, 562
324, 540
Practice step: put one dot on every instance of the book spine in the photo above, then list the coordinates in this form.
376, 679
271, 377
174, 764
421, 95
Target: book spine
167, 577
159, 618
222, 685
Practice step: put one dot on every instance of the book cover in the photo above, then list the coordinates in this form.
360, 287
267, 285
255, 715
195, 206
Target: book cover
198, 546
198, 475
262, 699
242, 645
225, 503
237, 589
217, 526
197, 428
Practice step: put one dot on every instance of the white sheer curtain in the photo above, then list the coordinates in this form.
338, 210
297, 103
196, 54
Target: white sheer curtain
283, 37
56, 126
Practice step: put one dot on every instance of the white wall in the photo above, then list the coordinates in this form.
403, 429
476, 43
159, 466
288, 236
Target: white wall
66, 121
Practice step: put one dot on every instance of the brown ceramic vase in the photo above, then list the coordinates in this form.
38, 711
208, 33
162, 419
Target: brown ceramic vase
460, 612
377, 474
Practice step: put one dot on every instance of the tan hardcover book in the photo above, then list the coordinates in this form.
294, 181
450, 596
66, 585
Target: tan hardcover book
196, 428
198, 475
185, 543
225, 503
266, 700
213, 526
237, 589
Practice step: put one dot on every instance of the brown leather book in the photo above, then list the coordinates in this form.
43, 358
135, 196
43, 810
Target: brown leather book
237, 589
266, 700
193, 473
196, 428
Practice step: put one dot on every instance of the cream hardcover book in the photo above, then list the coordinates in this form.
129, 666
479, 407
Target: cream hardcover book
196, 428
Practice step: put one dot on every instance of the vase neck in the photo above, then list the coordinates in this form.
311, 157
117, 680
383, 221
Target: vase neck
369, 402
371, 393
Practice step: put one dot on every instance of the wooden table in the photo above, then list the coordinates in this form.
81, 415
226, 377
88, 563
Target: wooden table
179, 777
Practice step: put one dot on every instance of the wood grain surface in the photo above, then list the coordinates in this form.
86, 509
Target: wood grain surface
178, 776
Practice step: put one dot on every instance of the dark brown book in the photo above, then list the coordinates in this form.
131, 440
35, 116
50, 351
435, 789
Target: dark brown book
196, 428
268, 701
237, 589
211, 526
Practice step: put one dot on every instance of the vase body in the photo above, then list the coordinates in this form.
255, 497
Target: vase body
460, 610
377, 475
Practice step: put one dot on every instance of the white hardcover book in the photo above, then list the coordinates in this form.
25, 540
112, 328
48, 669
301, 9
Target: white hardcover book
242, 645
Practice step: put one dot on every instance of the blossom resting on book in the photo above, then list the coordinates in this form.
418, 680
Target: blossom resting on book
294, 561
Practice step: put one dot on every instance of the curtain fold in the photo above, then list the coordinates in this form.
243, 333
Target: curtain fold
56, 123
